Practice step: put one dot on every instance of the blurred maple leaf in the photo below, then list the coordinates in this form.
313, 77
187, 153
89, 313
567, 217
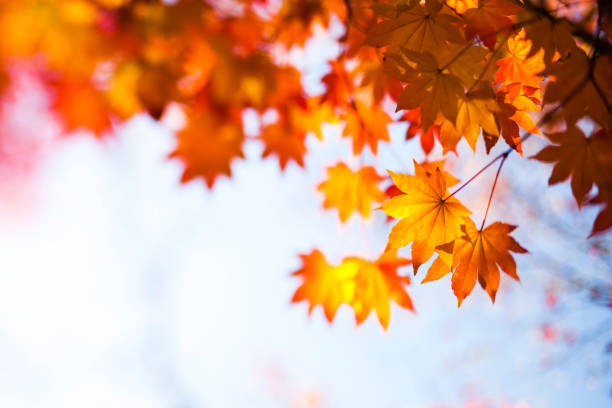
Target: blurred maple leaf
207, 146
348, 191
81, 106
361, 284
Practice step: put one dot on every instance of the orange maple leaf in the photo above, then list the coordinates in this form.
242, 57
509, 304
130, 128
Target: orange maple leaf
586, 160
427, 137
428, 216
207, 146
552, 36
474, 111
518, 65
584, 86
339, 85
480, 254
295, 18
348, 191
421, 28
284, 141
312, 116
366, 125
375, 77
81, 106
488, 19
359, 283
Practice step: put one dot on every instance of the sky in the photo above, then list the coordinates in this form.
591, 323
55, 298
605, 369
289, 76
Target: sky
121, 287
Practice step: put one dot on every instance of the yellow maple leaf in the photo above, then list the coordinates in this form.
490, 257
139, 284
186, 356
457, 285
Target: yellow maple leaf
363, 285
311, 117
348, 191
429, 217
473, 113
366, 126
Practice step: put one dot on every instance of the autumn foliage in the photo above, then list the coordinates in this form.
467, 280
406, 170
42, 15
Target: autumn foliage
451, 70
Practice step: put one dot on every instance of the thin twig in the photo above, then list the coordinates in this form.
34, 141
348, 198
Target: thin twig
505, 156
489, 164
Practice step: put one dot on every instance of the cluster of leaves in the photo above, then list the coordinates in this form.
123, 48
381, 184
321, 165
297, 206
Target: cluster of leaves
454, 69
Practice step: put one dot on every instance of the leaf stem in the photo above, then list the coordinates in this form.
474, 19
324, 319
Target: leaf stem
501, 164
478, 173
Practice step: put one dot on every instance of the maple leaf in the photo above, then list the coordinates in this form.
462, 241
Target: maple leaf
376, 284
427, 138
281, 139
430, 166
366, 125
359, 283
478, 254
208, 144
518, 65
509, 118
468, 64
339, 85
81, 106
421, 28
375, 77
287, 88
198, 62
577, 156
156, 86
322, 284
584, 86
311, 117
474, 111
247, 76
427, 86
488, 19
348, 191
550, 35
428, 216
295, 19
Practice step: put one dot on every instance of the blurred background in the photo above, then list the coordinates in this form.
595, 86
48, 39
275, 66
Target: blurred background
121, 287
